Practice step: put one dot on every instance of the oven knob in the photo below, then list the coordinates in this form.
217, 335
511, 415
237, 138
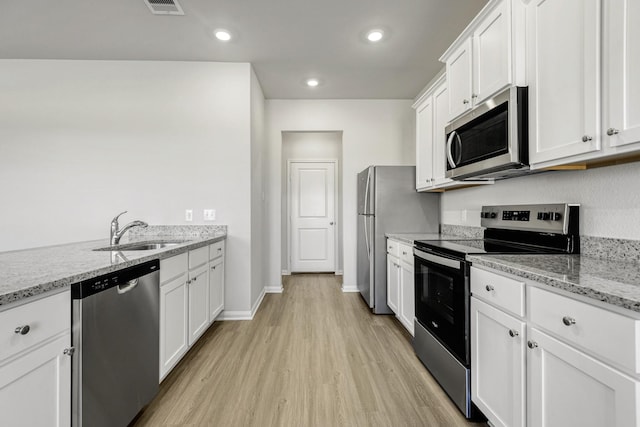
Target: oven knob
493, 215
540, 216
557, 216
546, 216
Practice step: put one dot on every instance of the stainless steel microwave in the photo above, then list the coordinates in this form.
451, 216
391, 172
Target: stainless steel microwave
491, 141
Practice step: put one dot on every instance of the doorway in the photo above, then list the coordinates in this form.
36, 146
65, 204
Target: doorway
312, 202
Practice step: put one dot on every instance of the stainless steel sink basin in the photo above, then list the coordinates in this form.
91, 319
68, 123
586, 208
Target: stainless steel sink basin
142, 246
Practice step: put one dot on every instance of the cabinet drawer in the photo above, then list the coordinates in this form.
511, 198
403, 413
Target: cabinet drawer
199, 256
604, 333
392, 247
173, 267
216, 250
46, 318
405, 252
498, 290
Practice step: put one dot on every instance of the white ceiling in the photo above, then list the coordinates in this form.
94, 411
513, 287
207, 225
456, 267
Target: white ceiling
287, 41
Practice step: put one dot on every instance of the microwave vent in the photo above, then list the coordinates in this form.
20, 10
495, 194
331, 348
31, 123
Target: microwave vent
164, 7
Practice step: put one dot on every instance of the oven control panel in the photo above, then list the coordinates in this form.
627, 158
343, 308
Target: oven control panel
551, 218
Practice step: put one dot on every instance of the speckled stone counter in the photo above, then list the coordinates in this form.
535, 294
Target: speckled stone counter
613, 282
31, 272
410, 238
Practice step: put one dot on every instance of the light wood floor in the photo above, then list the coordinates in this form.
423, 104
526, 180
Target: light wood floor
312, 356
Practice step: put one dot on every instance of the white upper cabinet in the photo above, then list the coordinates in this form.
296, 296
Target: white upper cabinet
487, 57
424, 144
459, 79
621, 122
563, 45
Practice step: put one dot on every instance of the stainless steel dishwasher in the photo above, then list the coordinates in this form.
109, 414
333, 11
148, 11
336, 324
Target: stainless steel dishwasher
115, 334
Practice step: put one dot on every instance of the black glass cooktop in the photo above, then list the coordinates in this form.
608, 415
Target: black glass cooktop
460, 248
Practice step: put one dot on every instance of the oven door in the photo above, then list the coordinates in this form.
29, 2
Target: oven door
441, 293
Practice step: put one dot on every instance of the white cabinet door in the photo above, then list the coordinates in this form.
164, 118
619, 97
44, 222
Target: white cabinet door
568, 388
198, 285
393, 284
424, 144
459, 79
440, 120
407, 296
216, 288
563, 44
492, 53
622, 84
35, 388
498, 365
174, 341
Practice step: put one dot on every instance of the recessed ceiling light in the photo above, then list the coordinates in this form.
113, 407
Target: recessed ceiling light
223, 35
375, 35
312, 82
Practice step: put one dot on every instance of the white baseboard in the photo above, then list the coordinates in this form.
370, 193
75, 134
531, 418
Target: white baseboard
349, 288
338, 273
274, 289
286, 273
243, 314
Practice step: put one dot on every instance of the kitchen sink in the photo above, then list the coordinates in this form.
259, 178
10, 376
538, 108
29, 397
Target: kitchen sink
142, 246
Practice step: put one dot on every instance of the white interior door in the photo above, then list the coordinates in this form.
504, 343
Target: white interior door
312, 216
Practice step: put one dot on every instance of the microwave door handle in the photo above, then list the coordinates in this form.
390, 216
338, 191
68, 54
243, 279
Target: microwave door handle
459, 157
449, 154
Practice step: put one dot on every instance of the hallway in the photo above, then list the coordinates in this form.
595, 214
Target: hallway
312, 356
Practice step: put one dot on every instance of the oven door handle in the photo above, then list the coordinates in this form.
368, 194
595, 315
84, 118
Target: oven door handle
453, 134
448, 262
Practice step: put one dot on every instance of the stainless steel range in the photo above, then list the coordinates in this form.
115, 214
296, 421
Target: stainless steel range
442, 285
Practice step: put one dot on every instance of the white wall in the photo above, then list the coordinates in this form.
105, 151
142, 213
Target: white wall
374, 132
257, 148
311, 146
609, 198
83, 140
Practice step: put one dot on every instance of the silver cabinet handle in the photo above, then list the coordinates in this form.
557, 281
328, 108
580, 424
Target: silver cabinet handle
69, 351
465, 101
587, 138
612, 131
513, 333
532, 344
568, 320
489, 288
22, 330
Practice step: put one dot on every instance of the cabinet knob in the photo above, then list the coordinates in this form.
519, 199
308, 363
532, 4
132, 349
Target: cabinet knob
474, 96
489, 288
532, 344
612, 131
587, 138
213, 268
513, 333
331, 223
465, 101
219, 249
22, 330
189, 282
69, 351
404, 253
568, 320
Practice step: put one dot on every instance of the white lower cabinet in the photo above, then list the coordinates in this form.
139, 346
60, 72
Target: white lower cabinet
191, 297
566, 387
498, 364
580, 358
35, 367
400, 282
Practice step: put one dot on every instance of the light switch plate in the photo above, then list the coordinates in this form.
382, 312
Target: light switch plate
209, 215
188, 215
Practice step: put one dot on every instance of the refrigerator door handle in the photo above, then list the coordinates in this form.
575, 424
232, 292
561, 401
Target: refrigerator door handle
366, 193
366, 236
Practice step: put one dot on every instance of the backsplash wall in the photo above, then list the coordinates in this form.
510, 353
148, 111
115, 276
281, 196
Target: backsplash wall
609, 198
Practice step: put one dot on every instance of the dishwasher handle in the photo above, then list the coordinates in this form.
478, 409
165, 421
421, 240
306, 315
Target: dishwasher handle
127, 287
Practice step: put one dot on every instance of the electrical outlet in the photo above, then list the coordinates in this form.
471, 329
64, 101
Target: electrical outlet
188, 215
209, 215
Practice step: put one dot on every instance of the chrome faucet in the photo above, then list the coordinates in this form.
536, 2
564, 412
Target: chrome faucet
116, 232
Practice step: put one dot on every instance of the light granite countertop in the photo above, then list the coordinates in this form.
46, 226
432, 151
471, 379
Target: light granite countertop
410, 238
610, 281
29, 272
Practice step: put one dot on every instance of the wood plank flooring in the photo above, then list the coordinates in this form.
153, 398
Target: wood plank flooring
312, 356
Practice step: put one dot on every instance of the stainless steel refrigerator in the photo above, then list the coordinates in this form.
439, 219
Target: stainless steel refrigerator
388, 203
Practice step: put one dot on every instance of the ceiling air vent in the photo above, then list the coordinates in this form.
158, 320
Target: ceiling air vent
164, 7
